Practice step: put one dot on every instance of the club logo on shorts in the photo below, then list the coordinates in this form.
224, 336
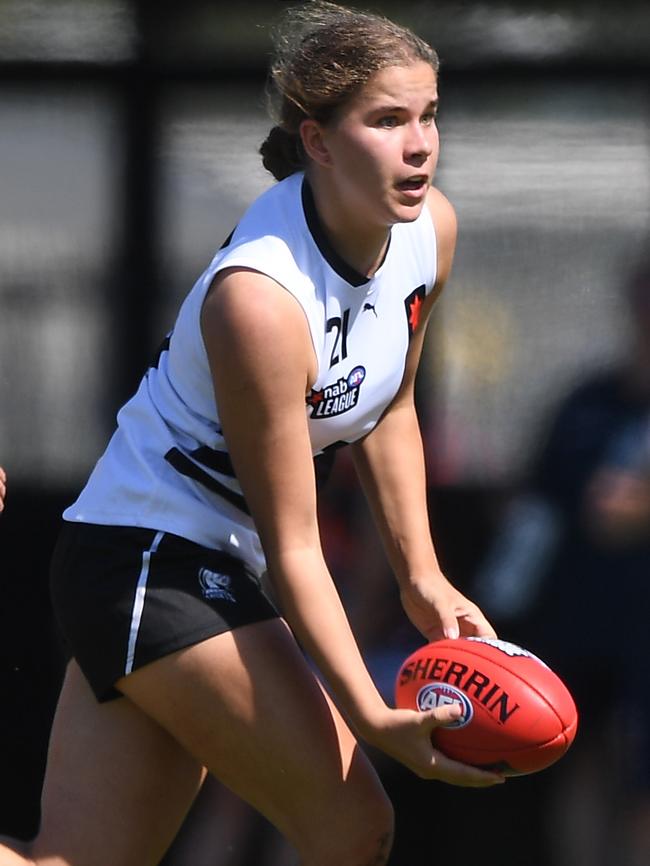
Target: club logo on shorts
338, 398
215, 586
440, 694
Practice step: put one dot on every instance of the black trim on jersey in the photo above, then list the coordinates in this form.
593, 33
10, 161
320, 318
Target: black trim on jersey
342, 268
219, 461
164, 346
227, 241
190, 469
412, 307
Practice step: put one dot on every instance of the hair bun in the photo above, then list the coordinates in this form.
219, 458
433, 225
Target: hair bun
282, 153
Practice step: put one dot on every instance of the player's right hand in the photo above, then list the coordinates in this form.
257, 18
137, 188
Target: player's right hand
405, 735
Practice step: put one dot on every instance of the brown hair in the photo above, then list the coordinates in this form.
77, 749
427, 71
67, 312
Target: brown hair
324, 54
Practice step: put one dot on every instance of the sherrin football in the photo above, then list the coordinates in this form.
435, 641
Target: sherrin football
517, 715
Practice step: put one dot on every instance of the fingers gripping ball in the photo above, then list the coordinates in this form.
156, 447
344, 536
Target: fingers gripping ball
517, 715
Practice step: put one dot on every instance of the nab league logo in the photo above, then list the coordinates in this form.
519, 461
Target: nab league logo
338, 398
438, 695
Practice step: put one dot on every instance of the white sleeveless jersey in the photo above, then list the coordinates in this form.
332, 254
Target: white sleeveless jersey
167, 465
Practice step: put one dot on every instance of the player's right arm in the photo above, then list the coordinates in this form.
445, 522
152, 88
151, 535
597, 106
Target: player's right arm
3, 487
262, 364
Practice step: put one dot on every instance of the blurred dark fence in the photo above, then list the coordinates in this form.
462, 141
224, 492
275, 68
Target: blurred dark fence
128, 136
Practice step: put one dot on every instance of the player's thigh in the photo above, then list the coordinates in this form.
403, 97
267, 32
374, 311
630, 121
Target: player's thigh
248, 707
117, 785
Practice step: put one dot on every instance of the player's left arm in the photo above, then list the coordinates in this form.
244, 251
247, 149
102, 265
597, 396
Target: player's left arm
390, 464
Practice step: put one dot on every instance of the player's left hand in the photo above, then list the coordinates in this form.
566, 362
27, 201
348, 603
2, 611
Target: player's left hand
438, 610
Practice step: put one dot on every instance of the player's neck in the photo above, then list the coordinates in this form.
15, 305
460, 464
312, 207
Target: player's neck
358, 242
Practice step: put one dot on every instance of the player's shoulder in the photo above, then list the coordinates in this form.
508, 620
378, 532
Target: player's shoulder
249, 319
271, 239
250, 301
442, 213
445, 223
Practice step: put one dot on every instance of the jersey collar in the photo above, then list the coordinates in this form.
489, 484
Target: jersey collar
340, 266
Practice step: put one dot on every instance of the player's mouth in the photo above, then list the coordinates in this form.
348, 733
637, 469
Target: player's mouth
414, 186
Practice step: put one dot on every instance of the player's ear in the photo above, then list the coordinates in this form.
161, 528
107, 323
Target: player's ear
312, 136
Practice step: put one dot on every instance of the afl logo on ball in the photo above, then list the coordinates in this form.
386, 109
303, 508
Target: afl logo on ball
438, 694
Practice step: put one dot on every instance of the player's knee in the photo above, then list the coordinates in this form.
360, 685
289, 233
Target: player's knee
377, 845
375, 839
363, 838
370, 846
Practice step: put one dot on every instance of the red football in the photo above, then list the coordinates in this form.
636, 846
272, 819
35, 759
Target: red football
518, 716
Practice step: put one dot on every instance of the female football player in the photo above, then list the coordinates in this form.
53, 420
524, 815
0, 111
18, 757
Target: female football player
302, 335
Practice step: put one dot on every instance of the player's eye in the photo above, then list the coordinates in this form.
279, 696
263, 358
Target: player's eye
389, 121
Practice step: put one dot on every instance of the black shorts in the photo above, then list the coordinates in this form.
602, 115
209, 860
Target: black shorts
124, 597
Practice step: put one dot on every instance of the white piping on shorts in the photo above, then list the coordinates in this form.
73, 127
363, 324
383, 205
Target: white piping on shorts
138, 603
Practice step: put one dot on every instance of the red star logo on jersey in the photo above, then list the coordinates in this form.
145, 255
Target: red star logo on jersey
414, 312
314, 398
413, 306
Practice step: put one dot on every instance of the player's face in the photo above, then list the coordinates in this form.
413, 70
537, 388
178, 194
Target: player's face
384, 146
